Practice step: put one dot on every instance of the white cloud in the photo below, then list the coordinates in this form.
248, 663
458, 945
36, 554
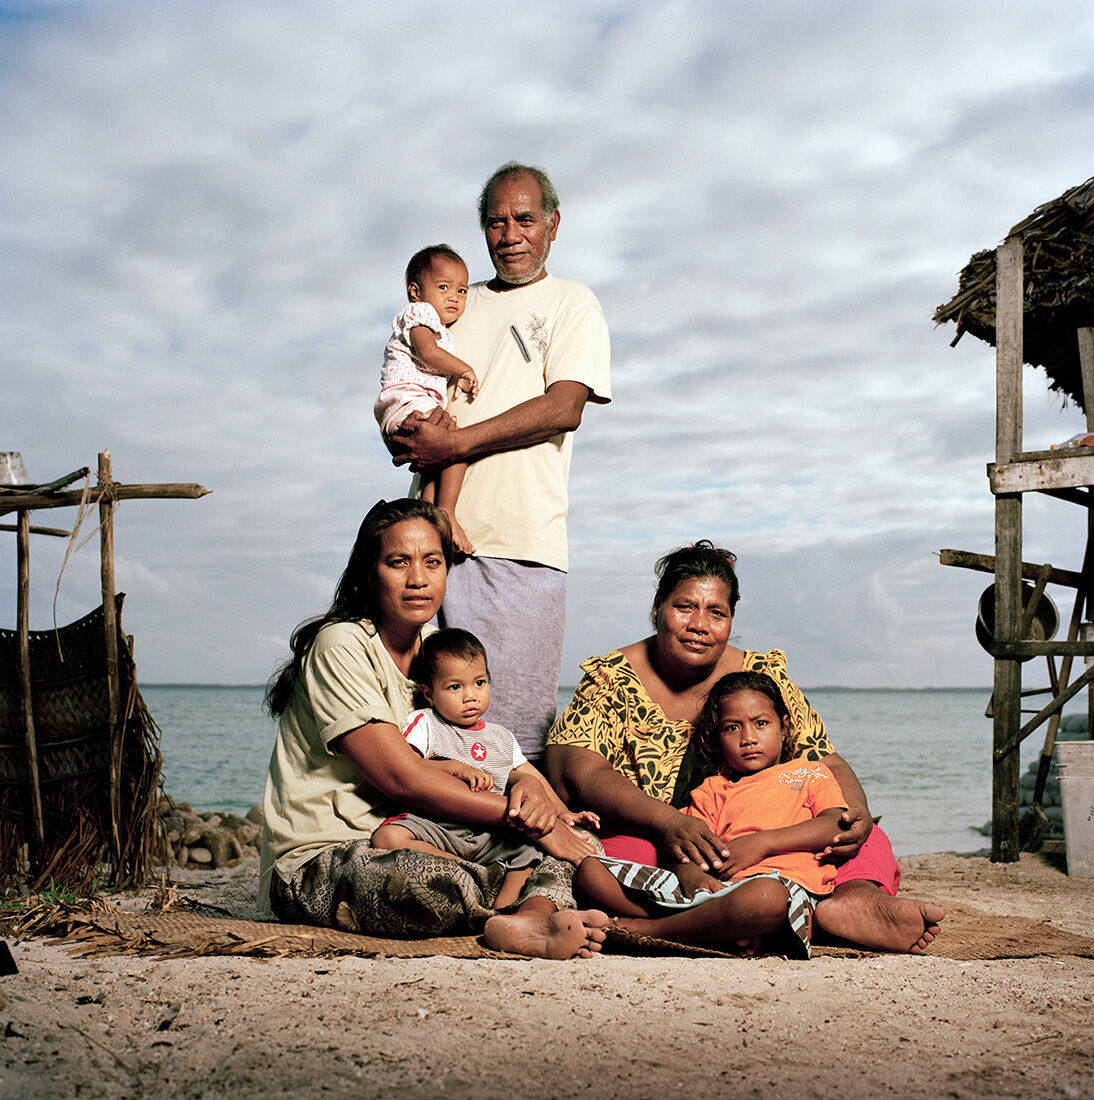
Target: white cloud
207, 212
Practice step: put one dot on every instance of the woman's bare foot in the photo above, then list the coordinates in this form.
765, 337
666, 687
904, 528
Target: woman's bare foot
544, 933
865, 915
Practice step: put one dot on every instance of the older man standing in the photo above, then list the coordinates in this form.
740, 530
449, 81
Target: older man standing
540, 347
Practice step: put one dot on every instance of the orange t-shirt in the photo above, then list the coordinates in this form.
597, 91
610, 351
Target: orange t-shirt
782, 795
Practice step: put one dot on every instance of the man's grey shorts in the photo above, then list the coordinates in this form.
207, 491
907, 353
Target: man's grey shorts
508, 848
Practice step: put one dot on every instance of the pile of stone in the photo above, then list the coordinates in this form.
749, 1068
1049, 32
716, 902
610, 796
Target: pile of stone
1073, 727
205, 840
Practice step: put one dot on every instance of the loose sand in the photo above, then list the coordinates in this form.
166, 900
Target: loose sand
614, 1026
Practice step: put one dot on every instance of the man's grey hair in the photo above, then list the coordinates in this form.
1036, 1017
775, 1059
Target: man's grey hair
508, 171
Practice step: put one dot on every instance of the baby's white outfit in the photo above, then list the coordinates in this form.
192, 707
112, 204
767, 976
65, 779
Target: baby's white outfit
405, 385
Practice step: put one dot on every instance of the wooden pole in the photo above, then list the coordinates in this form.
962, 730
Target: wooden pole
37, 829
10, 502
1008, 549
110, 625
1085, 337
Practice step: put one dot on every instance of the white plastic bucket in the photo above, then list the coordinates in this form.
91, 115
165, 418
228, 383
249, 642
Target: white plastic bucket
1075, 761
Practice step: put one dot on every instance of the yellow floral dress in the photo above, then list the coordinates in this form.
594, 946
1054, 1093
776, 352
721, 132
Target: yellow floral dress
612, 714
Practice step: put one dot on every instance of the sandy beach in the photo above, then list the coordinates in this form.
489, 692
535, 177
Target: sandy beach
615, 1026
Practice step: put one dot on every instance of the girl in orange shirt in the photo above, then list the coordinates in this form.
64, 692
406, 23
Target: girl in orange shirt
777, 817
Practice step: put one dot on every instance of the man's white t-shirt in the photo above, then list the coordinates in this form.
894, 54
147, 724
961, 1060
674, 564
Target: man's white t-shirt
513, 504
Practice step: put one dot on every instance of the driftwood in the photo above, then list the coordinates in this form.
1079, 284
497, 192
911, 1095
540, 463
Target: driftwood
173, 491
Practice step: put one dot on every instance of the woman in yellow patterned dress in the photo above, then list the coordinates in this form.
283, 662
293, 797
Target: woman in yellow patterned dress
623, 748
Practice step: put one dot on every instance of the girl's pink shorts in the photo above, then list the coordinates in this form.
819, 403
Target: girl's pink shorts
874, 862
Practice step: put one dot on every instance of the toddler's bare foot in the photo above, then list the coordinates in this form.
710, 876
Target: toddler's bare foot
863, 914
543, 934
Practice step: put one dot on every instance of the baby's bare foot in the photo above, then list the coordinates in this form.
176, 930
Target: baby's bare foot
567, 934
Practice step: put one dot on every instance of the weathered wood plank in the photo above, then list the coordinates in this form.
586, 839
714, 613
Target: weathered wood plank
1059, 648
59, 532
166, 491
110, 638
1086, 362
1047, 711
1008, 547
985, 563
1057, 472
22, 628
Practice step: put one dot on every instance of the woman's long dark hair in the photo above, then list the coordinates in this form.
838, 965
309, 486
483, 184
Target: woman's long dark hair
707, 739
354, 597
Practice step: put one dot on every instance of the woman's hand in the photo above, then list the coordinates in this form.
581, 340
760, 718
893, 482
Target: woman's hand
744, 852
569, 844
855, 826
530, 809
690, 840
692, 880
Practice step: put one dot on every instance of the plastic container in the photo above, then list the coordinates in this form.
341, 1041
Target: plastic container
1076, 760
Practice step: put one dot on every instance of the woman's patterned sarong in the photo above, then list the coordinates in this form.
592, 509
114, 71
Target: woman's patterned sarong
403, 893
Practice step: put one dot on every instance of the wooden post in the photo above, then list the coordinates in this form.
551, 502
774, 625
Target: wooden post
1008, 547
110, 623
1085, 338
37, 823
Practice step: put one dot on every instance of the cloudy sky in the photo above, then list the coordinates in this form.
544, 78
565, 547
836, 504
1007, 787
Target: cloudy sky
206, 209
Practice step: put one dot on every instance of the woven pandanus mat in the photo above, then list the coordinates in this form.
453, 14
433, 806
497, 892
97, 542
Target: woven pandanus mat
104, 930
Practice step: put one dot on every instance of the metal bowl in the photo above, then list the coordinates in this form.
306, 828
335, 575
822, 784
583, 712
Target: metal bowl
1046, 619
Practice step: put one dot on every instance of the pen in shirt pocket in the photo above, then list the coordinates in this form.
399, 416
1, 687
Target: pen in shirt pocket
520, 343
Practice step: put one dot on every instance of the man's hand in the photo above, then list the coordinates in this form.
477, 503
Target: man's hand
530, 810
855, 826
690, 840
424, 440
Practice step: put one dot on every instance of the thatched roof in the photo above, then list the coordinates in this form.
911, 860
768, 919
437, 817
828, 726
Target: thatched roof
1058, 239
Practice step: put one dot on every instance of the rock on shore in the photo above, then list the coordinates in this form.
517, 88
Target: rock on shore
190, 838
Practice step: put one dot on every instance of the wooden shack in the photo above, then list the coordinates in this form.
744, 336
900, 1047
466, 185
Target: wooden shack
1032, 298
79, 752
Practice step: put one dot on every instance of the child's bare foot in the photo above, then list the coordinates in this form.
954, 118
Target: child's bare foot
543, 934
865, 915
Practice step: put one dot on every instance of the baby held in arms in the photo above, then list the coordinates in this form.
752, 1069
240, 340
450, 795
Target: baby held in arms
452, 673
419, 363
776, 815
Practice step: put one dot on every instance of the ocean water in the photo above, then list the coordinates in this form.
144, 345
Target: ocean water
924, 757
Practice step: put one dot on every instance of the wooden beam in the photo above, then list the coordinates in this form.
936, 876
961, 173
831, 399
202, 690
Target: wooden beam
1046, 711
59, 532
1042, 649
985, 563
168, 491
1086, 362
110, 630
1081, 497
1008, 547
1031, 475
37, 836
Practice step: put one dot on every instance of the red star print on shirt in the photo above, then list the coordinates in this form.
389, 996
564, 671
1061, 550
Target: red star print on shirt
478, 751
